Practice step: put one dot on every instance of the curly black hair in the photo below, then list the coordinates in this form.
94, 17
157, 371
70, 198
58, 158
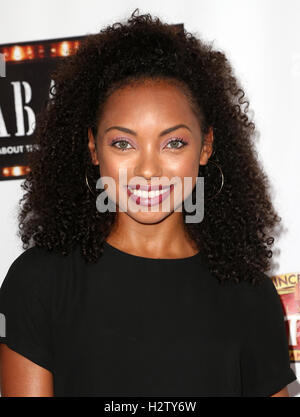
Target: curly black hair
58, 211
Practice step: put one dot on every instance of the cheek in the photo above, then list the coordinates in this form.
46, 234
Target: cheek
186, 171
109, 169
110, 164
188, 167
119, 170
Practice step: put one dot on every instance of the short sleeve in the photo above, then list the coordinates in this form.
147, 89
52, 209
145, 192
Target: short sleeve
24, 312
265, 363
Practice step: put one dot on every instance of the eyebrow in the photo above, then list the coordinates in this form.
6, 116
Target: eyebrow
132, 132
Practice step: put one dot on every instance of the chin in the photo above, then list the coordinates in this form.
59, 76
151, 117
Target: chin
148, 218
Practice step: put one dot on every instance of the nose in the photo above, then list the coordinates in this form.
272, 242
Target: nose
148, 165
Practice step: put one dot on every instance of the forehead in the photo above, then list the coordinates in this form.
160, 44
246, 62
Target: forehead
154, 99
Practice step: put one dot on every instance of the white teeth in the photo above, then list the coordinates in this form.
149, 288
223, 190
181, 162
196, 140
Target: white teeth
145, 194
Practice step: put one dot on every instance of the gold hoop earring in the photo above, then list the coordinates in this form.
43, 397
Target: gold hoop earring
222, 182
87, 183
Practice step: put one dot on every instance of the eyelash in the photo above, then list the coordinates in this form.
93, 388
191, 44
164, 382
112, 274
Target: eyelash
180, 140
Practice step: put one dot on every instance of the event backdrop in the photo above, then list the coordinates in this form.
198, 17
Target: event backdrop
24, 90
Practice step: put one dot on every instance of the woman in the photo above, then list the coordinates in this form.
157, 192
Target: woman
139, 301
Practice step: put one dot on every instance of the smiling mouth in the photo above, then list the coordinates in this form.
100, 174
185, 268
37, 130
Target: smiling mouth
149, 198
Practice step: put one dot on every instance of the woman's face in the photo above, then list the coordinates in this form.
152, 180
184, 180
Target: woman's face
148, 133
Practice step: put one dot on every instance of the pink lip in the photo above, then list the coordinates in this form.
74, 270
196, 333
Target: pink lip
151, 201
148, 187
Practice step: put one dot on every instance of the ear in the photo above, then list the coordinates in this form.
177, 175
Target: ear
207, 147
92, 147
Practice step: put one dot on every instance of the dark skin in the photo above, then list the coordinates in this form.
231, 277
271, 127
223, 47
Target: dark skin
20, 377
147, 110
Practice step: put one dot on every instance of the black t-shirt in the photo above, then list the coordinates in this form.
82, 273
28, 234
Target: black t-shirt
134, 326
